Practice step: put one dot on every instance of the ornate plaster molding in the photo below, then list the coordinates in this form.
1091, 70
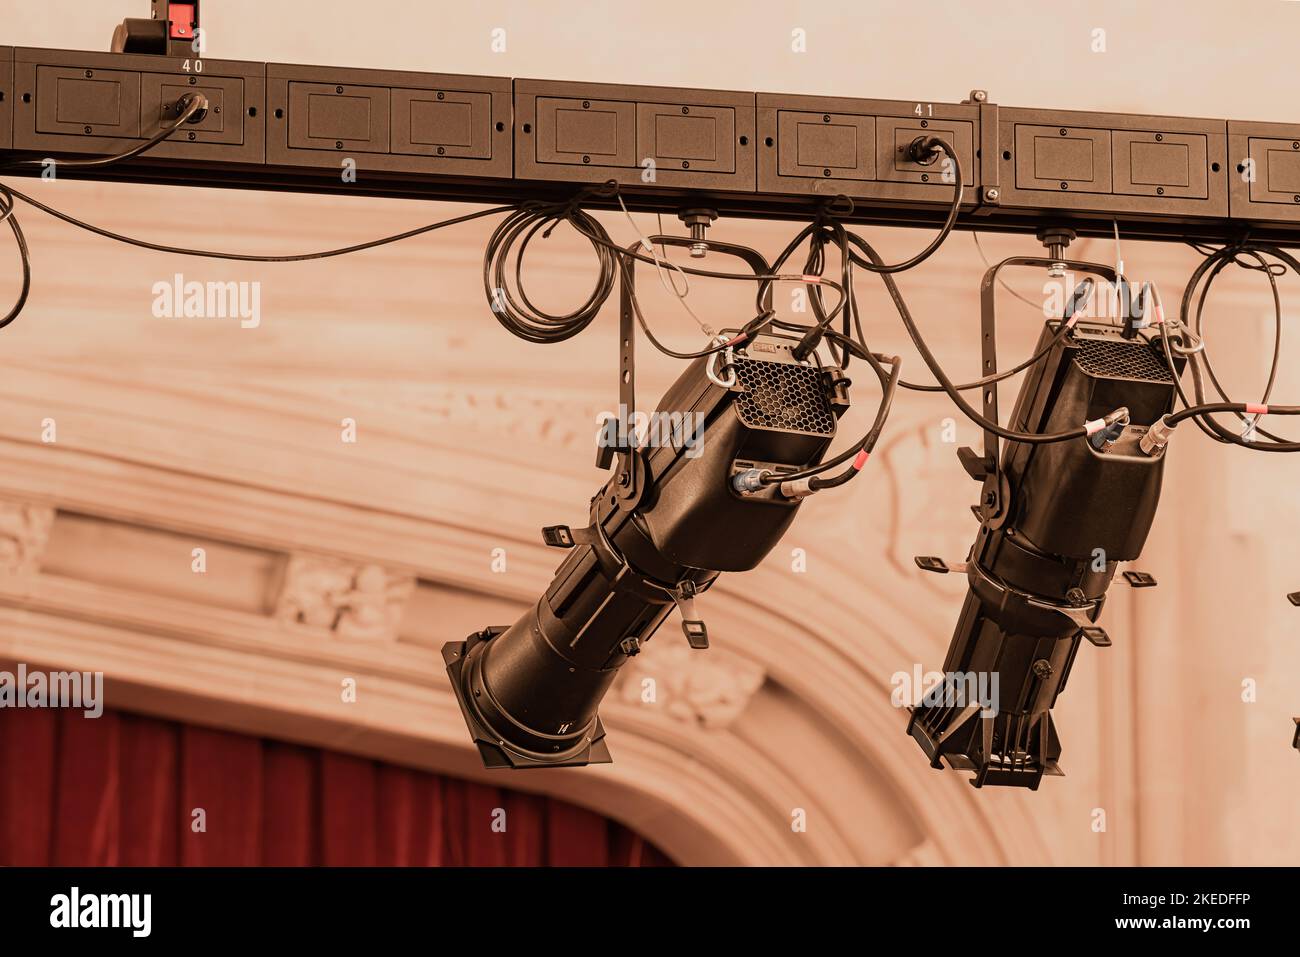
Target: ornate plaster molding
354, 601
708, 689
24, 532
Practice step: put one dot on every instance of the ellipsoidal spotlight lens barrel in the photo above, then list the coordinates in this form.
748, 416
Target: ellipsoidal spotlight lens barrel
1041, 565
530, 693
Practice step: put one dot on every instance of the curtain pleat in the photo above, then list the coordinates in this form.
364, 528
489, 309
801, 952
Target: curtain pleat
221, 806
29, 749
576, 837
125, 789
149, 786
88, 790
348, 826
291, 805
525, 838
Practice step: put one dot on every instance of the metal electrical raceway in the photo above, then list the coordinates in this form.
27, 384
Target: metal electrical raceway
484, 139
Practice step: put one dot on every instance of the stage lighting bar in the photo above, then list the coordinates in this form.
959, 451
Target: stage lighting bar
772, 155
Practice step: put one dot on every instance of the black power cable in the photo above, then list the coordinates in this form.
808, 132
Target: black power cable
583, 224
824, 231
191, 107
862, 449
192, 104
512, 306
1247, 254
24, 255
1206, 408
1031, 438
924, 150
10, 192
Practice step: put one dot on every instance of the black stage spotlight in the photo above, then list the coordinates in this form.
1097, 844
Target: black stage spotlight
673, 515
1056, 519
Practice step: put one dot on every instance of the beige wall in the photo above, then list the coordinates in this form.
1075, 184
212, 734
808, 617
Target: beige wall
1192, 58
472, 439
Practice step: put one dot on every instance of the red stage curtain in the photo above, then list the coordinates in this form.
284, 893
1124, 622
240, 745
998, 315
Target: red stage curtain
122, 789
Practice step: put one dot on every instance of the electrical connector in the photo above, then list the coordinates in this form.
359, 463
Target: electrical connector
1105, 432
749, 481
799, 488
1157, 437
195, 104
925, 150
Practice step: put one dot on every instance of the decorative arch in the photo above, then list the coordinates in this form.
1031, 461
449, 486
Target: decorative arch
327, 560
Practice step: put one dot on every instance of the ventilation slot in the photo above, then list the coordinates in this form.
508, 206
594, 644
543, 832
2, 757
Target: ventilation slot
783, 397
1104, 358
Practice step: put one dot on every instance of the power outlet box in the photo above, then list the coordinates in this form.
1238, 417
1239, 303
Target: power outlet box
104, 103
390, 121
1152, 166
635, 135
1264, 171
831, 146
6, 98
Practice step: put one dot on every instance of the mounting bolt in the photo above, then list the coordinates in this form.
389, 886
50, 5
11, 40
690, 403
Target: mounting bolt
1042, 669
1075, 596
698, 221
1056, 239
979, 96
992, 194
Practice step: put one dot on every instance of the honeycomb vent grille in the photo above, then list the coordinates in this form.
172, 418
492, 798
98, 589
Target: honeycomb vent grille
783, 397
1121, 360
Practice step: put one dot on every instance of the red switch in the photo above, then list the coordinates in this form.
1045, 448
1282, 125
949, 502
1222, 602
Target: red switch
182, 17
